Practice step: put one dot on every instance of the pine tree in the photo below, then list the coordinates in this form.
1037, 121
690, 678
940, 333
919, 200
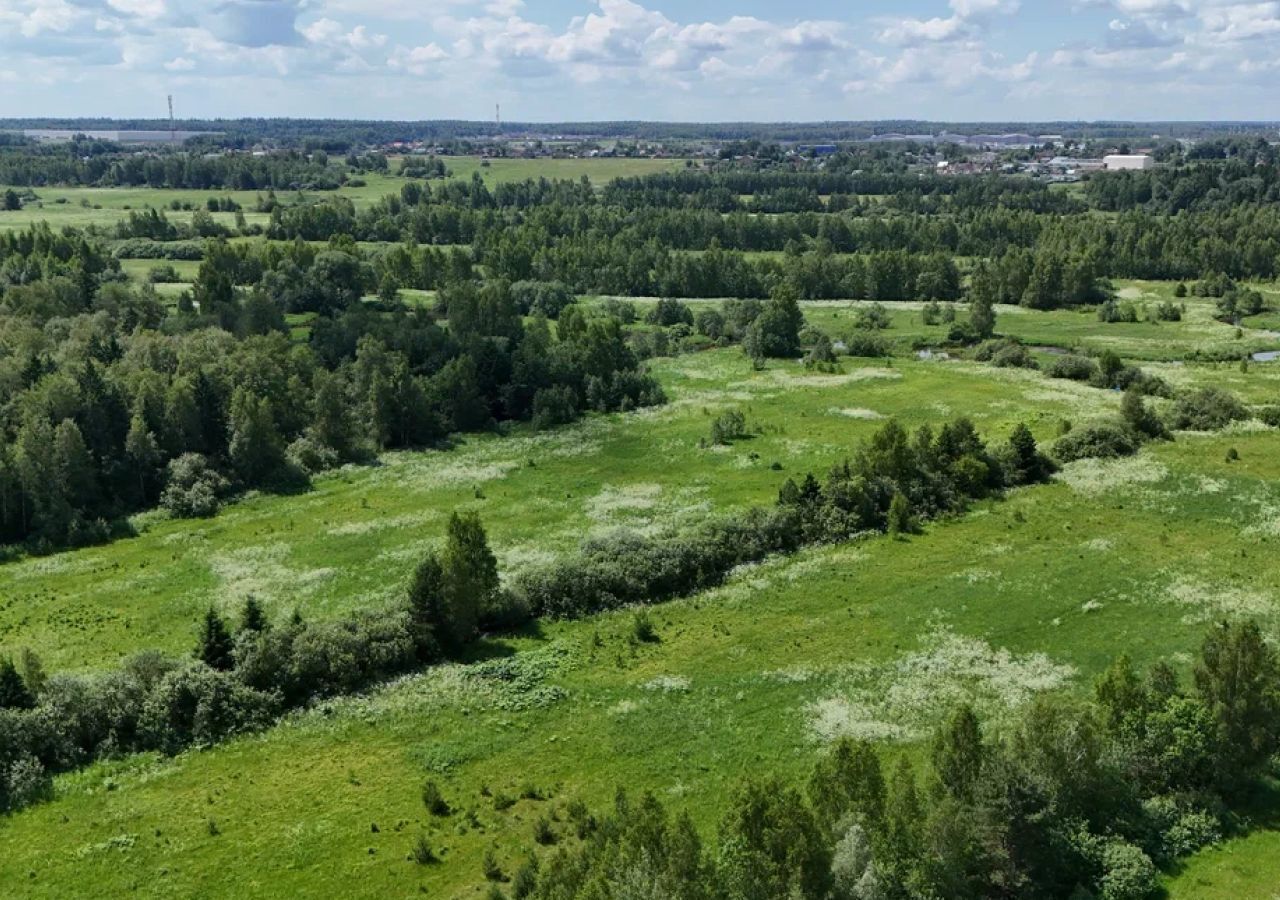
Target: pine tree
13, 690
216, 646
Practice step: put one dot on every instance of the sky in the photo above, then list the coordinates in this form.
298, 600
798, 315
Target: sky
673, 60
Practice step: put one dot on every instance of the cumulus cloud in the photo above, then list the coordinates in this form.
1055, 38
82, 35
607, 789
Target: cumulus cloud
636, 58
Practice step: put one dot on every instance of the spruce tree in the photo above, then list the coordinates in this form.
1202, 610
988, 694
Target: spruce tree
959, 754
216, 646
252, 617
13, 690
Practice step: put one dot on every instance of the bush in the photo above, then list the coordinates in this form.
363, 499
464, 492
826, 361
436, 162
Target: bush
310, 457
1206, 409
670, 312
422, 852
642, 628
872, 318
195, 705
1005, 353
1127, 873
163, 275
193, 489
1101, 440
626, 569
866, 344
434, 800
728, 427
1073, 368
1111, 312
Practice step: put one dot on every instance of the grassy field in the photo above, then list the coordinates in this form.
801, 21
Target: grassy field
352, 541
599, 171
876, 638
81, 207
873, 638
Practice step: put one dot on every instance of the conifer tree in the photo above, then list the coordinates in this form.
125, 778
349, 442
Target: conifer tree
215, 647
13, 690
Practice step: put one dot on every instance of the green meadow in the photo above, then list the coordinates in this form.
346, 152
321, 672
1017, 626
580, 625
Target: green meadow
876, 638
82, 207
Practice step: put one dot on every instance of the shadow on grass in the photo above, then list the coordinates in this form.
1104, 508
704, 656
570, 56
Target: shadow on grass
498, 646
1258, 810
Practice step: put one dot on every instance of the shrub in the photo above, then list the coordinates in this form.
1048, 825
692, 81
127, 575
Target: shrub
866, 344
728, 427
422, 852
1111, 311
1073, 368
1127, 873
1100, 440
670, 312
821, 356
489, 866
1005, 353
872, 318
1206, 409
163, 275
310, 457
543, 833
433, 799
193, 488
625, 569
196, 705
642, 628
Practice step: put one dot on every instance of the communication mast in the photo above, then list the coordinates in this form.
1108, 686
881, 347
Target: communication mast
173, 130
498, 116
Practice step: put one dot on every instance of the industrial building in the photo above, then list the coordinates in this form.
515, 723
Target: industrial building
1130, 163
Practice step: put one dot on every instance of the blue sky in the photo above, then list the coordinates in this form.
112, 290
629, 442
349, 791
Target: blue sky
643, 59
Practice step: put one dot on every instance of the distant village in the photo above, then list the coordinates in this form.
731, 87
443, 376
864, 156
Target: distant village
1046, 156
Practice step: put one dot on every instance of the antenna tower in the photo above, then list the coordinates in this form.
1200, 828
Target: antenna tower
173, 130
498, 116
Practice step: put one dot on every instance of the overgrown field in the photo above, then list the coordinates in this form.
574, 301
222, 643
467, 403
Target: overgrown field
874, 639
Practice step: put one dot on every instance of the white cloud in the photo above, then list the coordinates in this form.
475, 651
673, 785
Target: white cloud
632, 58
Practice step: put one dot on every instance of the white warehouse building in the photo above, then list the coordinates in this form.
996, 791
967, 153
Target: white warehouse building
1134, 163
